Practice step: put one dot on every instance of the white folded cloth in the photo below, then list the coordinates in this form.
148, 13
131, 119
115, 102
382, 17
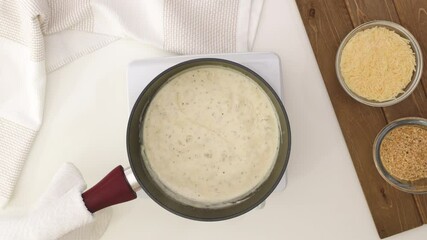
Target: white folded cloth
39, 36
60, 213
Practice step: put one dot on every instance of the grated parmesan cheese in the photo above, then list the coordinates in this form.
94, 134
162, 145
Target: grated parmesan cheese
377, 64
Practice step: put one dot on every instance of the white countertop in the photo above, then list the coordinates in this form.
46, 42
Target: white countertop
85, 123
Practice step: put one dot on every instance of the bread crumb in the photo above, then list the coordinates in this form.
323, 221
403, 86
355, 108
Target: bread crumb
403, 152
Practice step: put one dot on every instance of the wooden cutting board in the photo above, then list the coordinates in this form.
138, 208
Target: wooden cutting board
327, 22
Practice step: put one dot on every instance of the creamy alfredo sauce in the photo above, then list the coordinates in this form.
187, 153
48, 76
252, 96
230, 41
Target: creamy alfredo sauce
211, 136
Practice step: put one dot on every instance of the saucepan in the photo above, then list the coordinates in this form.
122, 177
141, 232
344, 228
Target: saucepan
120, 185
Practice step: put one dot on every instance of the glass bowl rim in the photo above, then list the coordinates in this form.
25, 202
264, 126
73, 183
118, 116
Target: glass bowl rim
418, 58
405, 187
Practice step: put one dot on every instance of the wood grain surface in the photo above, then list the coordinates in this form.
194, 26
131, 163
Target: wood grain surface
327, 22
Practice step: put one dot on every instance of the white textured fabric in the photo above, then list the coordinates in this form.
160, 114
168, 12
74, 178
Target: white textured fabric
39, 36
15, 140
60, 213
213, 22
70, 14
21, 21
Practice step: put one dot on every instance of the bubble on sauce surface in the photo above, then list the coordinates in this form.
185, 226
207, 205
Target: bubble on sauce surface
211, 135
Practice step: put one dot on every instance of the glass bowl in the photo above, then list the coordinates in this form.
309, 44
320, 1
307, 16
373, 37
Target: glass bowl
416, 76
419, 186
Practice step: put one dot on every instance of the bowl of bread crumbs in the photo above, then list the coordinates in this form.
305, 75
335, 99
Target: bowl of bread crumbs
379, 63
400, 154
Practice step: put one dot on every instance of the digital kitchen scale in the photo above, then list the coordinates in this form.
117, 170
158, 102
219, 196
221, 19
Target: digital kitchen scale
267, 65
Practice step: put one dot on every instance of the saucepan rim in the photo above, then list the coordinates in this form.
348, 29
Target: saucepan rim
136, 115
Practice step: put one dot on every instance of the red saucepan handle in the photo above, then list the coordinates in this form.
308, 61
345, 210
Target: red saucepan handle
112, 189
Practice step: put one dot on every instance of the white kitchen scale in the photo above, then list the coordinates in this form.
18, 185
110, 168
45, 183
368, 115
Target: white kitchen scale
267, 65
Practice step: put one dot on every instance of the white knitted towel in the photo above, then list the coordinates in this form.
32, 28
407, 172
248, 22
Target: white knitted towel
39, 36
60, 213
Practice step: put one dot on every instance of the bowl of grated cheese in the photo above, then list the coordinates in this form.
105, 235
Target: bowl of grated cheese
379, 63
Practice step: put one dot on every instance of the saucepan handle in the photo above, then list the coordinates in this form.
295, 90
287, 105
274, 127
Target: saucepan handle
112, 189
